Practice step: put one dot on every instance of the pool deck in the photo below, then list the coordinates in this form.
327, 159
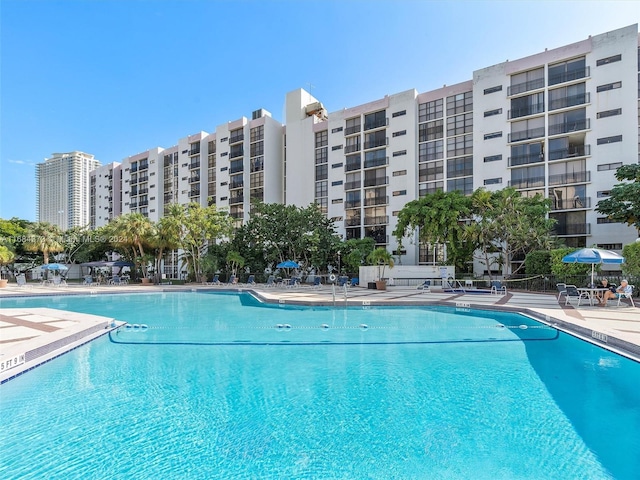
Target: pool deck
31, 336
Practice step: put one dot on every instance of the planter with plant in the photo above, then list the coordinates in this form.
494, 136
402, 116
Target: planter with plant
382, 259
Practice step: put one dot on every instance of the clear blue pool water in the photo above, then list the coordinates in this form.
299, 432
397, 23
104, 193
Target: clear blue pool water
221, 387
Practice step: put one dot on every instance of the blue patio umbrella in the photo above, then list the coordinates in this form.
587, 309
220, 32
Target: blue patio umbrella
288, 264
593, 256
54, 266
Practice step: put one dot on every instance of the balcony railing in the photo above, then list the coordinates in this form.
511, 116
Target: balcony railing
144, 166
373, 182
194, 179
352, 185
525, 86
236, 199
236, 138
525, 159
352, 148
236, 168
575, 203
378, 142
381, 220
353, 204
568, 127
238, 184
134, 168
377, 200
572, 229
569, 101
570, 178
569, 76
143, 179
194, 193
350, 166
142, 191
376, 162
352, 130
382, 122
194, 164
526, 134
527, 182
352, 222
526, 111
571, 152
236, 154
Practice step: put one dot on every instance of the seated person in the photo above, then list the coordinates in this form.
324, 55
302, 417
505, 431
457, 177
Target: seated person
604, 283
623, 288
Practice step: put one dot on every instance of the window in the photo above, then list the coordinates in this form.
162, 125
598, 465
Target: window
492, 158
322, 139
322, 172
398, 193
493, 181
568, 96
491, 113
606, 61
460, 167
460, 103
430, 110
605, 140
462, 145
336, 147
336, 130
568, 122
321, 189
527, 105
489, 136
603, 193
399, 153
609, 113
430, 131
375, 120
431, 171
497, 88
609, 166
337, 165
464, 185
336, 200
429, 188
399, 114
336, 183
525, 81
460, 124
399, 173
322, 155
431, 151
352, 126
609, 86
400, 133
601, 220
609, 246
256, 134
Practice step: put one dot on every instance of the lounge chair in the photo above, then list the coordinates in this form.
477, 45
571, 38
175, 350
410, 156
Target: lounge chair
294, 282
562, 289
88, 280
627, 295
425, 286
572, 292
271, 281
233, 280
343, 280
115, 280
251, 280
355, 281
498, 288
21, 280
58, 281
317, 282
214, 281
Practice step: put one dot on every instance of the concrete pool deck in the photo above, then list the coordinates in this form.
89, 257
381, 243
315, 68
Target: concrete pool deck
31, 336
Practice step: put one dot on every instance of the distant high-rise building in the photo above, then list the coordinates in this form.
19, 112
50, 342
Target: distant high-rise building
63, 189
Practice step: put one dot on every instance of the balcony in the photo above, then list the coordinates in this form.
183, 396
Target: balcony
352, 222
377, 142
353, 204
143, 179
381, 122
236, 138
143, 203
352, 148
353, 185
144, 166
194, 179
236, 184
376, 162
235, 199
195, 150
143, 191
134, 168
525, 159
374, 182
236, 153
236, 168
575, 203
572, 229
194, 164
570, 152
570, 178
194, 193
568, 127
569, 101
381, 220
569, 76
133, 205
526, 111
532, 182
352, 130
377, 200
526, 134
350, 166
525, 86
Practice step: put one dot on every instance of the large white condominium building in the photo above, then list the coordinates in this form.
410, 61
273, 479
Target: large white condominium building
558, 123
62, 185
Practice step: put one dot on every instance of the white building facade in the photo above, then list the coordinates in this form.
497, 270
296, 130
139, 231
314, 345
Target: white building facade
63, 189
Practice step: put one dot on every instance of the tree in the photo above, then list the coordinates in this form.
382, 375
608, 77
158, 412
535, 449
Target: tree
133, 231
623, 204
505, 225
355, 252
45, 238
165, 236
6, 257
235, 260
440, 218
631, 254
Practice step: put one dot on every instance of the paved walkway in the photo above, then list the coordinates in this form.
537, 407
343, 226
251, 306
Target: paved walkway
24, 329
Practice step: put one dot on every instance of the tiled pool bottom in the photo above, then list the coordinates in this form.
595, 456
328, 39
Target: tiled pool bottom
501, 409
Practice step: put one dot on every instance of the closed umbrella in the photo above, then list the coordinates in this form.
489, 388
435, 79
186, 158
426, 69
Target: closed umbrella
593, 256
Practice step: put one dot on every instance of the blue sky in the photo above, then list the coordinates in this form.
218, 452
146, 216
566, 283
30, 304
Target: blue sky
117, 77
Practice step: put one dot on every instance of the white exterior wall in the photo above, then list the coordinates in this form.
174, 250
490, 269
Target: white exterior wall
273, 159
107, 197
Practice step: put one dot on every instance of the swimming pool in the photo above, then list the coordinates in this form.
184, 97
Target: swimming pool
219, 386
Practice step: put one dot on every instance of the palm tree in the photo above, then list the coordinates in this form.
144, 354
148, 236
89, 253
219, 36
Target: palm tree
6, 257
44, 237
381, 258
134, 230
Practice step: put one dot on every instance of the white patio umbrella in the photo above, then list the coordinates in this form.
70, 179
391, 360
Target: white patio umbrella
593, 256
